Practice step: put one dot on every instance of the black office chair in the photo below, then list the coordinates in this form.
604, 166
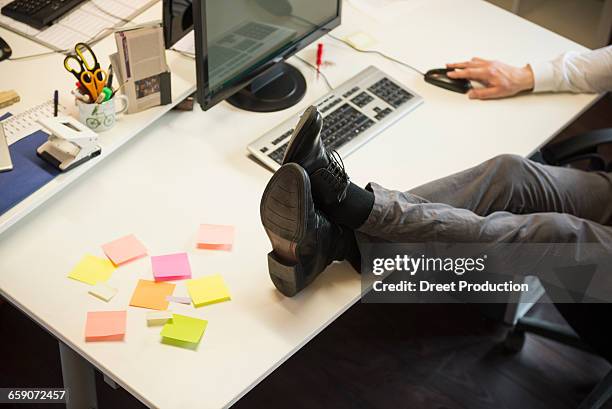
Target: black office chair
590, 330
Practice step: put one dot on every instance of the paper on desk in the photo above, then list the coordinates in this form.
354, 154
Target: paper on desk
184, 329
186, 44
124, 249
360, 40
152, 295
92, 270
180, 300
90, 20
215, 237
103, 291
171, 267
387, 11
155, 318
208, 290
105, 326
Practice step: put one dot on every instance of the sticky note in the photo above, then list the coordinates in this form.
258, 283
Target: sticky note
125, 249
92, 270
180, 300
215, 237
184, 329
208, 290
152, 295
155, 318
171, 267
105, 326
360, 40
103, 291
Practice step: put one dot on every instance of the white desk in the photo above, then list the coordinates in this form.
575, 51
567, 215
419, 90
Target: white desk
191, 168
36, 86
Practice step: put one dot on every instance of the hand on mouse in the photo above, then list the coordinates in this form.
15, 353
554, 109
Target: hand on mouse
500, 80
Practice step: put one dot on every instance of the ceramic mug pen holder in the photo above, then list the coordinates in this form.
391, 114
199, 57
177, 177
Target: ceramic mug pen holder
100, 117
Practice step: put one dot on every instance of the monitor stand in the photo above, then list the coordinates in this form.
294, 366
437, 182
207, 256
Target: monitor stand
281, 87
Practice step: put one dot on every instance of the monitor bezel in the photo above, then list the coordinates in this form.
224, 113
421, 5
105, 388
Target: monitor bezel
205, 98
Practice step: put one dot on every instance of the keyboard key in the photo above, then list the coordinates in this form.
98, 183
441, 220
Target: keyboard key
390, 92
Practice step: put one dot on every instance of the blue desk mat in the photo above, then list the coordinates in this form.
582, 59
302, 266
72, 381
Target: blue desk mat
29, 173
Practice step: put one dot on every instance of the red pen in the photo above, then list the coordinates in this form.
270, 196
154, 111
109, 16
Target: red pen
319, 57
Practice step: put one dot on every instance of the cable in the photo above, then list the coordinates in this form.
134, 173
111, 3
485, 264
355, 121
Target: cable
96, 37
24, 57
125, 20
315, 68
183, 53
377, 53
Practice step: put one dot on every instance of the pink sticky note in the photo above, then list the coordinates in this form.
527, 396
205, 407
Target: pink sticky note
125, 249
171, 267
105, 326
215, 237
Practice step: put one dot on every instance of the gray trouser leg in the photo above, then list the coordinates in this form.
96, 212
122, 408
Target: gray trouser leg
505, 200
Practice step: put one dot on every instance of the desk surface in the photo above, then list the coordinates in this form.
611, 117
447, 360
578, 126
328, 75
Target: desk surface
191, 168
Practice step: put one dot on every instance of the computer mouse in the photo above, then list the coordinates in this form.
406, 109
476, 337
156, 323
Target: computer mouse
439, 78
5, 50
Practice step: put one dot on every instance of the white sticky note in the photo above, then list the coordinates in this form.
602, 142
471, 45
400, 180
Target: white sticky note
360, 40
155, 318
180, 300
103, 291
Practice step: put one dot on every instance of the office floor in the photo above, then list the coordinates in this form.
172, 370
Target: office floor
375, 356
575, 19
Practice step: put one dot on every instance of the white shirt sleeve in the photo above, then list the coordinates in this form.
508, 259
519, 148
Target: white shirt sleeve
589, 72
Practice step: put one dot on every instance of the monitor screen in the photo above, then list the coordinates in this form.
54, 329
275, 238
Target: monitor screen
238, 39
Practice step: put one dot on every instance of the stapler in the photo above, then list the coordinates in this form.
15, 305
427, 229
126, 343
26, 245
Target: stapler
70, 143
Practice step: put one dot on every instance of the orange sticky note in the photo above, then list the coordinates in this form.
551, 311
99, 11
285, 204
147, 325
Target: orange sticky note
152, 295
105, 326
215, 237
125, 249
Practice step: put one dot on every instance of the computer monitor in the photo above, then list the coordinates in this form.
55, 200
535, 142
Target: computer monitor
241, 47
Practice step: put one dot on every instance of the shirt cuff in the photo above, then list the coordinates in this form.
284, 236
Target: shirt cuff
543, 76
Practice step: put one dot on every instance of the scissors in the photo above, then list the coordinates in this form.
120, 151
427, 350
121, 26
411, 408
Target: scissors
85, 67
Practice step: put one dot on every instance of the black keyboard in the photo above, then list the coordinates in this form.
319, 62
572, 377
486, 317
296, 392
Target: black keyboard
39, 13
339, 127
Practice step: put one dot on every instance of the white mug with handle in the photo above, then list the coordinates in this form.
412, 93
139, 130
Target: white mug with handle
101, 117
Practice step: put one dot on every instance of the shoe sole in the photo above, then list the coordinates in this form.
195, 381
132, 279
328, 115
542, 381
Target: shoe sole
283, 216
306, 123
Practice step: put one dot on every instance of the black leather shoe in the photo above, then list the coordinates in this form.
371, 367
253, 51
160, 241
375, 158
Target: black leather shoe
304, 242
328, 178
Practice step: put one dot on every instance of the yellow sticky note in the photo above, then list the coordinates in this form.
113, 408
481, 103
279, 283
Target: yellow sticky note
152, 295
158, 317
360, 40
208, 290
184, 329
103, 291
92, 270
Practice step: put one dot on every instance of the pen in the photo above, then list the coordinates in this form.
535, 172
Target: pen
55, 102
319, 57
101, 98
81, 97
109, 81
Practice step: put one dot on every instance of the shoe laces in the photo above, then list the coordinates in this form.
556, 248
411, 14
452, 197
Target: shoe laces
335, 175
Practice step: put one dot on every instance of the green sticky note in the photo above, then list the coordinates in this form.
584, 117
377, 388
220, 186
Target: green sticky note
92, 270
184, 329
208, 290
